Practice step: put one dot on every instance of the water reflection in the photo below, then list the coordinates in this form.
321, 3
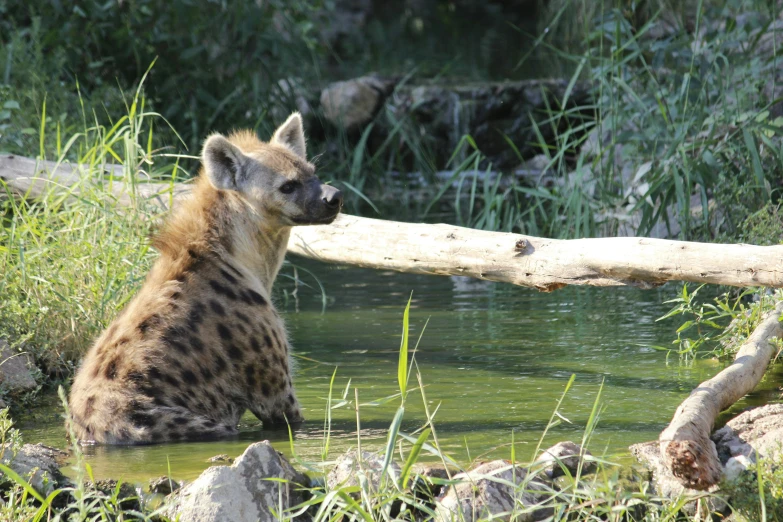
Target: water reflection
494, 360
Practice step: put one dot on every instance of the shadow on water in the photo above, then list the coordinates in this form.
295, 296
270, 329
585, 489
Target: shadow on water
494, 360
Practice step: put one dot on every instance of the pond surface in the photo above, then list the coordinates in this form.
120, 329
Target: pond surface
494, 359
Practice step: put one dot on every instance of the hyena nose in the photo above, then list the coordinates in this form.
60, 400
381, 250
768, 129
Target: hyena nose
332, 197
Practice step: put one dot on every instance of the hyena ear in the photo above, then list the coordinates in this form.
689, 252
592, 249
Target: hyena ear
223, 162
291, 135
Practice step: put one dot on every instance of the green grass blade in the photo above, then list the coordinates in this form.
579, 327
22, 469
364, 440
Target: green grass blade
413, 457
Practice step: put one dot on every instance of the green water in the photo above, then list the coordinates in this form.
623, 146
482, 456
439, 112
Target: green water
494, 360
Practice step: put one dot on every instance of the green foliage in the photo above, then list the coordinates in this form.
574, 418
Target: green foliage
719, 327
218, 62
67, 265
758, 492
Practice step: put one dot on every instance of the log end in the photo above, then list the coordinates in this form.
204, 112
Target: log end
694, 462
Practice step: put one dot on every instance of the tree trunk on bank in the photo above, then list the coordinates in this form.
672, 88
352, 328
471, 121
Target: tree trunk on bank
685, 444
544, 264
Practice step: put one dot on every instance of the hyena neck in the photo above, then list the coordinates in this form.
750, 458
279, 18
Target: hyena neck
221, 224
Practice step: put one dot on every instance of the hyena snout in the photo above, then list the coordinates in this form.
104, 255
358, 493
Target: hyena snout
332, 198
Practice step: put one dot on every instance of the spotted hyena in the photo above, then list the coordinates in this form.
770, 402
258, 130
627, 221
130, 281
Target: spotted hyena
202, 342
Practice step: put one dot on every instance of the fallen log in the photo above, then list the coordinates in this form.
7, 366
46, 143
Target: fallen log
544, 264
685, 444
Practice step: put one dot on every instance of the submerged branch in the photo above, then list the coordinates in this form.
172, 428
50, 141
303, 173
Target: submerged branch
544, 264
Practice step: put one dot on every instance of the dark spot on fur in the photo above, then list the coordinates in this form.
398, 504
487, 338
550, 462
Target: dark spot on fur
220, 364
176, 295
172, 380
222, 290
206, 373
180, 419
111, 369
188, 377
241, 328
228, 277
254, 345
224, 332
256, 297
291, 399
196, 316
179, 401
171, 425
267, 340
141, 419
154, 373
149, 323
217, 307
265, 390
196, 344
136, 377
181, 277
234, 353
123, 341
250, 375
242, 317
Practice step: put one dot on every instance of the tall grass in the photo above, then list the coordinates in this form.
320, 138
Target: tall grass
682, 136
71, 259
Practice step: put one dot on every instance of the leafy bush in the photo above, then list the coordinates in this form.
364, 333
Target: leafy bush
218, 62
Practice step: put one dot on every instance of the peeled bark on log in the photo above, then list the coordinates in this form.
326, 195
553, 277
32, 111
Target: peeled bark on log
544, 264
685, 444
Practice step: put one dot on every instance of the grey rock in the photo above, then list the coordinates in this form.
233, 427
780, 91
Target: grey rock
665, 484
3, 404
755, 433
350, 470
735, 467
15, 374
241, 492
163, 485
486, 491
423, 485
565, 455
443, 113
39, 465
353, 103
222, 459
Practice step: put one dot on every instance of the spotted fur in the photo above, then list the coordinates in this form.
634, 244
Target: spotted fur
202, 342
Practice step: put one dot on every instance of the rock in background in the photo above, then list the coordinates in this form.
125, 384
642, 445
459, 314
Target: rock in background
16, 369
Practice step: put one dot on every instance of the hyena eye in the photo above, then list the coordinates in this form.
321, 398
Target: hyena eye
288, 187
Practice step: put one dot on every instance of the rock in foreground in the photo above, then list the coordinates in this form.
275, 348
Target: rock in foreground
486, 492
39, 465
242, 492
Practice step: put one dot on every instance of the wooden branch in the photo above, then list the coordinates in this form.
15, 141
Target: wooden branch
544, 264
30, 178
685, 444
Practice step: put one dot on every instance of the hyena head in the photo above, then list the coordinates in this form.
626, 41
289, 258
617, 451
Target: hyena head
275, 178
